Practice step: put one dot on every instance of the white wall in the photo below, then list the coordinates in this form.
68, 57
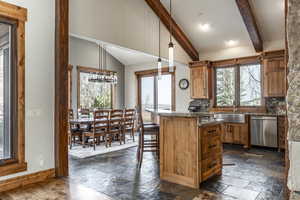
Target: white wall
128, 23
39, 80
182, 96
85, 53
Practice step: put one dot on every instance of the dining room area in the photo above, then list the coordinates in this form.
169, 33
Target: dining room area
98, 121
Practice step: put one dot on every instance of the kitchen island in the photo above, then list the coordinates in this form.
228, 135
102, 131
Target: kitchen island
190, 148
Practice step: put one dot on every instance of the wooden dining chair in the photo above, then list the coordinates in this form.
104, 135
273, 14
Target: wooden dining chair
84, 113
73, 129
148, 138
128, 122
98, 129
115, 129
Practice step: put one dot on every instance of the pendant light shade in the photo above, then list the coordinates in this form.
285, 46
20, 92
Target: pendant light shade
171, 57
171, 45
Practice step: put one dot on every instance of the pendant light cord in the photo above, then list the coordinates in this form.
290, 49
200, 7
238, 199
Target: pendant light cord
159, 38
171, 21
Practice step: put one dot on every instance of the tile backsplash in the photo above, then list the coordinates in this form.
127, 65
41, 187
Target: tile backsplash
276, 105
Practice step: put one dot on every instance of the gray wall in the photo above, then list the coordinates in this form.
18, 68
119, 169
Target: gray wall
85, 53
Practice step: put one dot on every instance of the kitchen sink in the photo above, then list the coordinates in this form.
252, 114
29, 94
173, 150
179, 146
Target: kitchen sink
231, 118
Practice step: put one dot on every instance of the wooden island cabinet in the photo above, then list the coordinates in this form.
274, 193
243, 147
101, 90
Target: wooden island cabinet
190, 152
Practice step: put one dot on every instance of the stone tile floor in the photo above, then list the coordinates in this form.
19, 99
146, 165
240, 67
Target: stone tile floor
255, 174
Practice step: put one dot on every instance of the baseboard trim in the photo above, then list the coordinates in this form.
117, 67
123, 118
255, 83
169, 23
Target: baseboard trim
25, 180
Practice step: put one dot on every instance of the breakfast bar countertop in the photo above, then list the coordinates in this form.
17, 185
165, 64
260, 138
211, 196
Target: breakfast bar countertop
169, 113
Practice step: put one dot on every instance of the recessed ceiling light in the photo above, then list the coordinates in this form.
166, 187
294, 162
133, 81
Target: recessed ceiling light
204, 27
231, 43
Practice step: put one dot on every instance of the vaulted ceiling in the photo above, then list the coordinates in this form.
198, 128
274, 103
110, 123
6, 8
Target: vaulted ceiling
226, 23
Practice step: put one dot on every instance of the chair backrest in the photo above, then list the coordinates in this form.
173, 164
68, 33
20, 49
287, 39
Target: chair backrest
115, 121
140, 122
101, 121
116, 114
129, 118
84, 113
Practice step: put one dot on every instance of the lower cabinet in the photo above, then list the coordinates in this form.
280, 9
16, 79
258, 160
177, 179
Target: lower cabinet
210, 152
236, 134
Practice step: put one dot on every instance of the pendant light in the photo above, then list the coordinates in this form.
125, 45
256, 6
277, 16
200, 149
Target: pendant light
171, 45
159, 64
103, 75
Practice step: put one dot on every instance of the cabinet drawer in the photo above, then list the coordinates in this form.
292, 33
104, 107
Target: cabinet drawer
211, 167
211, 132
211, 146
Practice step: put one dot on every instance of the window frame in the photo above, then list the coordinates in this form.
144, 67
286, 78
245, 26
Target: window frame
236, 64
83, 69
154, 72
16, 16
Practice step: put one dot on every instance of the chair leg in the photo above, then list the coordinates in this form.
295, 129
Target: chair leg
141, 152
132, 133
94, 142
105, 140
157, 148
124, 135
83, 140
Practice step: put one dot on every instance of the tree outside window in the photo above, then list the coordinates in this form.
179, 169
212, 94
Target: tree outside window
94, 95
239, 85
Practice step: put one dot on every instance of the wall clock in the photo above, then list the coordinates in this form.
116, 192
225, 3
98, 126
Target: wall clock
184, 84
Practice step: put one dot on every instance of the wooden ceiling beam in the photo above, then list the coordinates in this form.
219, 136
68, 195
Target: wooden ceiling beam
251, 25
177, 32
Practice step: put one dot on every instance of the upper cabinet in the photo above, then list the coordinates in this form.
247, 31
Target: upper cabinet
200, 78
274, 76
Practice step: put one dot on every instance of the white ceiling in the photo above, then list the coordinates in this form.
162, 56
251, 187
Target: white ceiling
270, 18
226, 21
129, 57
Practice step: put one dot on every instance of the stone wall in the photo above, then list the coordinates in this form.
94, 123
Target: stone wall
293, 96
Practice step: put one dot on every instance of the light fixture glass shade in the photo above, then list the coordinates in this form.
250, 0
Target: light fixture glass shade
159, 66
171, 57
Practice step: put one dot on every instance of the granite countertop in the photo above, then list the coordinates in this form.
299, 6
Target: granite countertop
168, 113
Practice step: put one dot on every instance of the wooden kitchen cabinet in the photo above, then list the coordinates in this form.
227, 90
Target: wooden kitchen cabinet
189, 153
282, 131
236, 134
274, 71
200, 78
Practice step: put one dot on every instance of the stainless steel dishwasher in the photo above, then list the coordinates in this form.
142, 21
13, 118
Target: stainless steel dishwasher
264, 131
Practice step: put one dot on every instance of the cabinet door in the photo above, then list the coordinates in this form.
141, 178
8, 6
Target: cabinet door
274, 77
228, 134
237, 134
200, 77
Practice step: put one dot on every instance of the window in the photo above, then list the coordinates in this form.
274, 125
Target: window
12, 89
93, 95
239, 85
154, 93
250, 85
225, 78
